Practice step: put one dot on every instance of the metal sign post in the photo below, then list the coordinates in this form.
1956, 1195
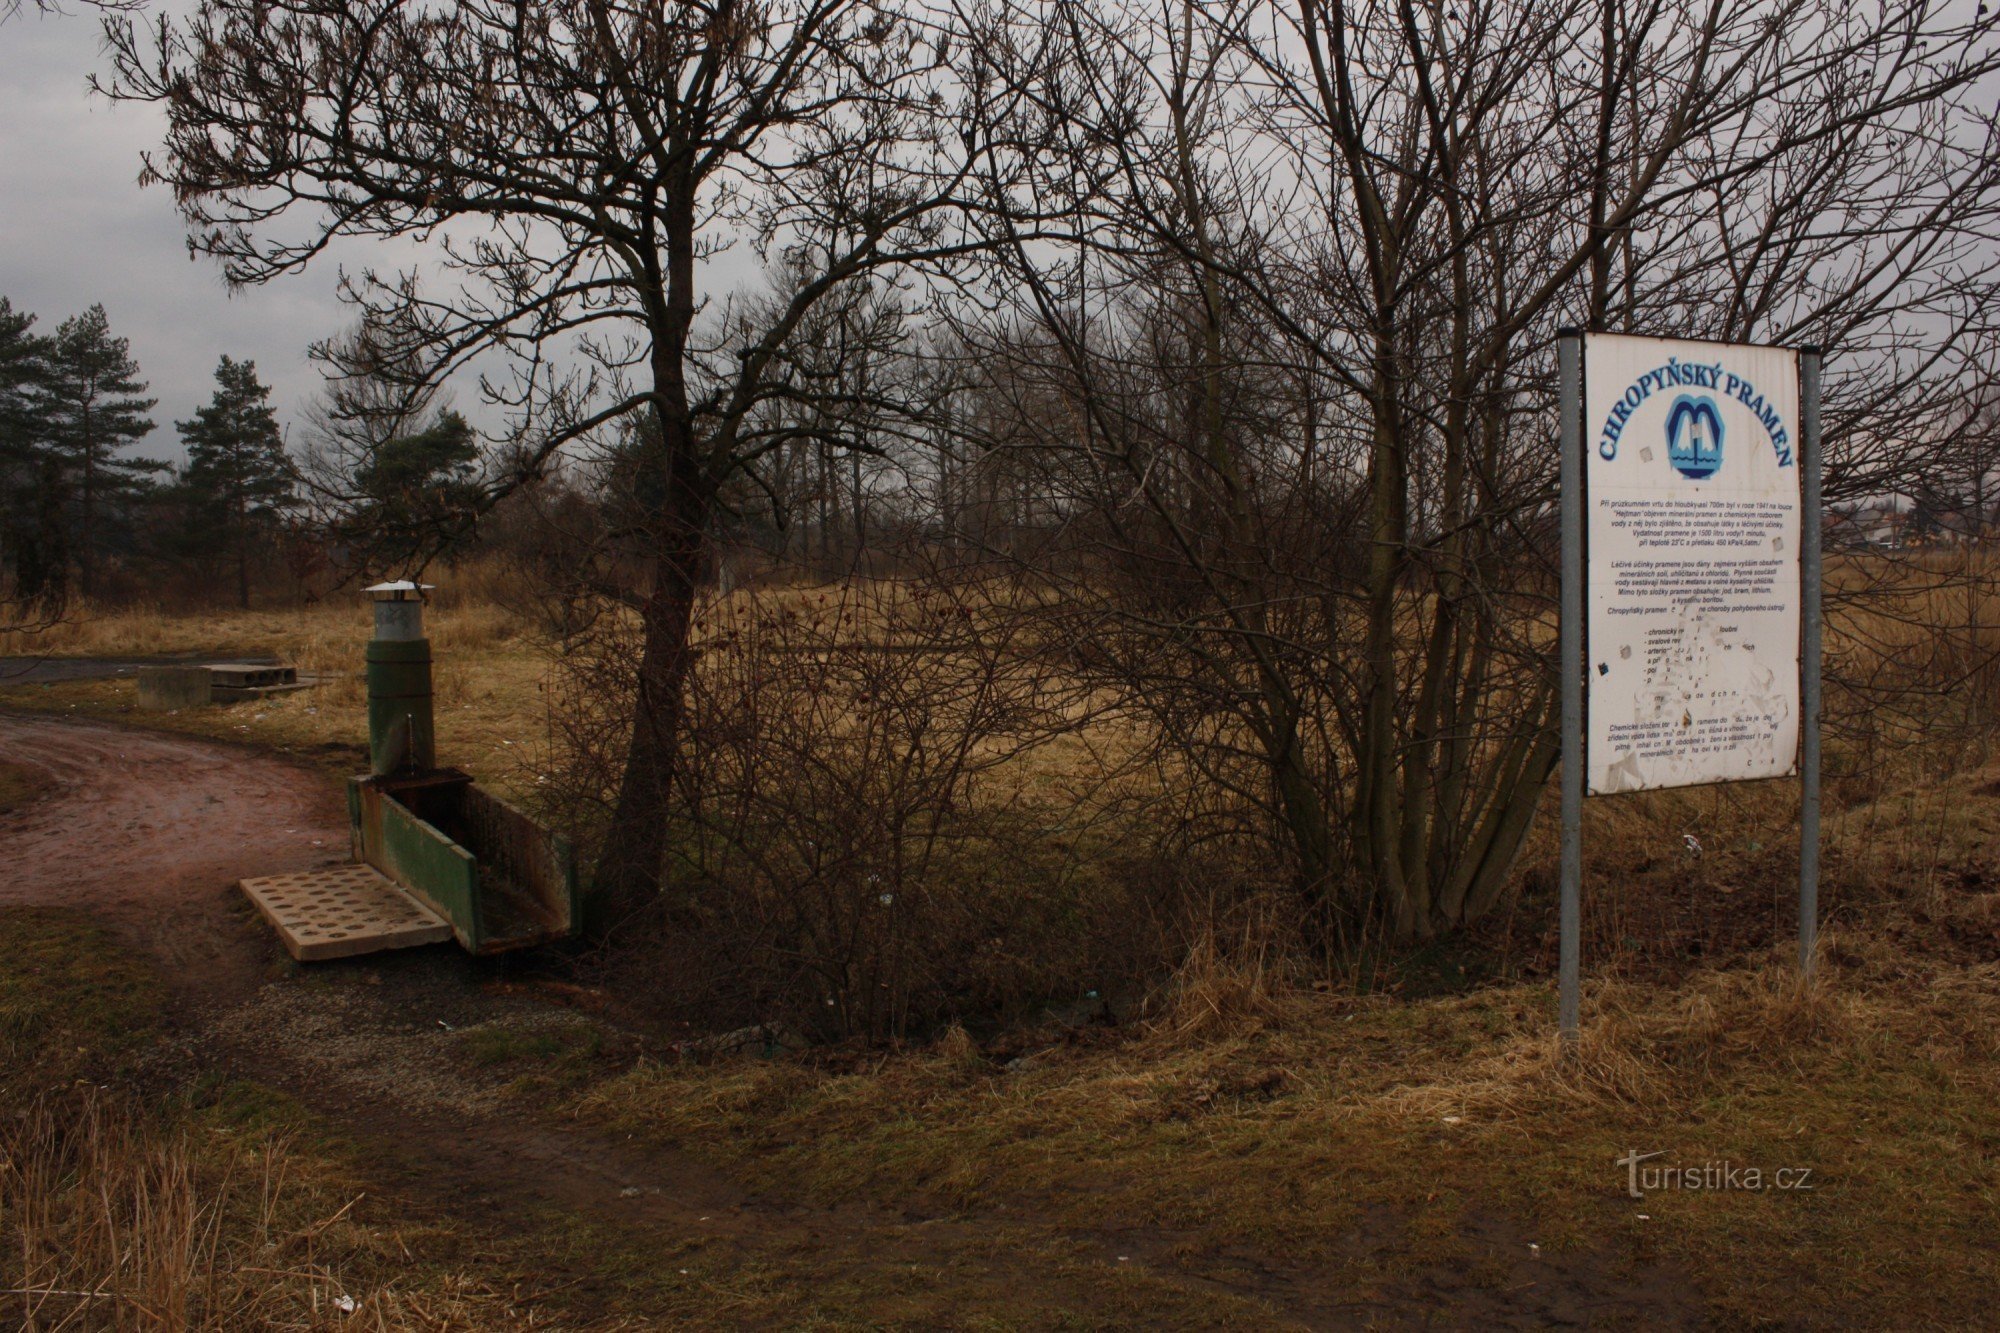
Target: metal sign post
1809, 651
1569, 355
1689, 641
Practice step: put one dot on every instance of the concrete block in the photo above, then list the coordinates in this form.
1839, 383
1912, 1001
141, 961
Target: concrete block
168, 687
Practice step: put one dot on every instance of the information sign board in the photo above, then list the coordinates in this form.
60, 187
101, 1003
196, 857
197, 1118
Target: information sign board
1691, 547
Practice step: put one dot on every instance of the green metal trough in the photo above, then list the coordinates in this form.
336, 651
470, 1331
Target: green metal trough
435, 851
500, 879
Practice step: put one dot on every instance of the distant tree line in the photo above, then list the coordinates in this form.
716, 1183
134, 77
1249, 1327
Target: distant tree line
83, 518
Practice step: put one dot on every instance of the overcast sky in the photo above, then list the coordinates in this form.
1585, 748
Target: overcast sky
75, 228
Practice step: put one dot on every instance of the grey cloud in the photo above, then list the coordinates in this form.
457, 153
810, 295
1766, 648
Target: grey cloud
75, 228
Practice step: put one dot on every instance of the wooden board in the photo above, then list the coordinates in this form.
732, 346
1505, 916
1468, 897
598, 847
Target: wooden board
341, 912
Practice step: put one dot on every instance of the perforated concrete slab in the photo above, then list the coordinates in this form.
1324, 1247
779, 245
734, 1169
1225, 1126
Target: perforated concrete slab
341, 912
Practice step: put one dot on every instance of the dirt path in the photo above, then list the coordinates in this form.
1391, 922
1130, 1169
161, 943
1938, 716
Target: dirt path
150, 831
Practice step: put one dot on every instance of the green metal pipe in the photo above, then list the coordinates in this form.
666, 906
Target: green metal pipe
402, 736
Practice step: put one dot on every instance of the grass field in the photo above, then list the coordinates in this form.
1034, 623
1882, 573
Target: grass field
1254, 1140
489, 682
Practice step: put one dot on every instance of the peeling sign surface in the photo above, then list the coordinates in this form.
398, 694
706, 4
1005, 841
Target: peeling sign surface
1692, 502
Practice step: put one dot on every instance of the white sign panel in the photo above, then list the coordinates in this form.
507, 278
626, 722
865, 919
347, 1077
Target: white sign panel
1691, 485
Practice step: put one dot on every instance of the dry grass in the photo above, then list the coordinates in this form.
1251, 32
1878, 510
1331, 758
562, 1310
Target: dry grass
1231, 979
1252, 1110
491, 677
1654, 902
19, 785
111, 1222
489, 681
1280, 1133
112, 1219
1257, 1113
206, 1207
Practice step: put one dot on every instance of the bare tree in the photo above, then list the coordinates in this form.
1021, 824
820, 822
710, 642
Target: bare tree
580, 166
1251, 365
1958, 487
48, 8
1392, 206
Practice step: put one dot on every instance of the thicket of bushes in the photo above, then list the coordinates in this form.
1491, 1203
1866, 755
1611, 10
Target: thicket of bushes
901, 806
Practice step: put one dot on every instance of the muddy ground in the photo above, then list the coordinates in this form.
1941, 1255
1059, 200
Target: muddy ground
149, 832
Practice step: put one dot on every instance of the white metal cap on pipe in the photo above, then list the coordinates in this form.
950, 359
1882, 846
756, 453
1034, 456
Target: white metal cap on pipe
399, 610
399, 590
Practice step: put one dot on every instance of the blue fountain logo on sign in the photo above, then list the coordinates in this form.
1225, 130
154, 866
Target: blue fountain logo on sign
1694, 420
1694, 436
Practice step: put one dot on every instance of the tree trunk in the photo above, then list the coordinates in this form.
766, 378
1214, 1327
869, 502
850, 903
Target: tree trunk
825, 498
629, 873
677, 488
860, 516
86, 561
242, 555
1378, 807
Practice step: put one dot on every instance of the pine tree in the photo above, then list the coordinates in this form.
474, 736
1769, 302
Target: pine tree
238, 477
93, 410
24, 546
417, 489
23, 369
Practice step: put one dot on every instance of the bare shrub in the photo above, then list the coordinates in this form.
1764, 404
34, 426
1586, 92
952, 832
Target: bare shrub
877, 827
